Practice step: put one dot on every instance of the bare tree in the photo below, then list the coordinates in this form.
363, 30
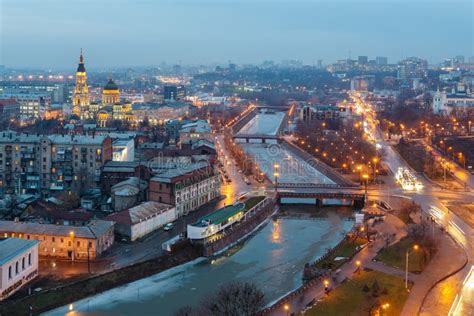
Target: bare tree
235, 299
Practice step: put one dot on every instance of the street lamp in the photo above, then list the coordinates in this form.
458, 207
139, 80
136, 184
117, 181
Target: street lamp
358, 266
287, 309
366, 180
359, 168
71, 234
415, 248
276, 174
326, 285
375, 160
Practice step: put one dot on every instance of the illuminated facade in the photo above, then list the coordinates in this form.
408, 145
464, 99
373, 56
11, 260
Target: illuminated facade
81, 97
112, 108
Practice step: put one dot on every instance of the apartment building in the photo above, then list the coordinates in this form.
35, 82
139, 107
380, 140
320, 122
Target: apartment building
187, 186
42, 164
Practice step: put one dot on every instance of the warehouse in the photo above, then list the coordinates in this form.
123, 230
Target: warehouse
142, 219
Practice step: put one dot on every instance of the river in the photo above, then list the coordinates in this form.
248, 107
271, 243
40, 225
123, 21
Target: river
273, 259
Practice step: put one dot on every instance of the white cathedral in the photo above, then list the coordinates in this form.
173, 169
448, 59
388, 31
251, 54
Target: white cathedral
460, 98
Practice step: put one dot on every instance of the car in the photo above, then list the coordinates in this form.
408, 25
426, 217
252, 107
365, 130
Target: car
168, 227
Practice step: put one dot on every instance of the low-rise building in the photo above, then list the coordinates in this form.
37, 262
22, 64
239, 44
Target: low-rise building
143, 219
460, 98
73, 242
18, 264
186, 186
213, 223
128, 193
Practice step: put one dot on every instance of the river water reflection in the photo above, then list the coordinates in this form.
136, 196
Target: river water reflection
273, 259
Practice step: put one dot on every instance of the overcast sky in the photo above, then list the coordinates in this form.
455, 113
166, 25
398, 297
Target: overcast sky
50, 33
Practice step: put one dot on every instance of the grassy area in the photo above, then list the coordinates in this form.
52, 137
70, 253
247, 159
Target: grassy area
254, 200
395, 256
351, 299
347, 249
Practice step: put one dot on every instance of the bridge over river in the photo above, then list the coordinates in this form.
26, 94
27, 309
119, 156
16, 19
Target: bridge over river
261, 138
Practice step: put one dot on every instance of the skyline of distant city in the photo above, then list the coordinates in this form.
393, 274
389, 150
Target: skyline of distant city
118, 34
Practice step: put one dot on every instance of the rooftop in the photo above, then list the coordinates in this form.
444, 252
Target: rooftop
180, 170
139, 213
13, 247
92, 231
220, 215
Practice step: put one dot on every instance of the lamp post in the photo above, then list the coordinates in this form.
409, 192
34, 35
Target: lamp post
359, 168
276, 174
415, 247
286, 307
358, 266
71, 235
375, 160
366, 178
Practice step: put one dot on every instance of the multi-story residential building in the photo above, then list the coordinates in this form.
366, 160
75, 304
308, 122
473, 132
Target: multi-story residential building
9, 109
73, 242
186, 186
40, 164
18, 264
33, 104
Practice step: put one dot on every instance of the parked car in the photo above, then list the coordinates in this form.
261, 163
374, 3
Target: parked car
168, 227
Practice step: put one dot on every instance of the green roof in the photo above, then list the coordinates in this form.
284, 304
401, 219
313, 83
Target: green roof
221, 215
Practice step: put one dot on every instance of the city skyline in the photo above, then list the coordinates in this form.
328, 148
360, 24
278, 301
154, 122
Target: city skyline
186, 32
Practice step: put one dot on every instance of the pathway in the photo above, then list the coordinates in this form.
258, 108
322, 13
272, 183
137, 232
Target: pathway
365, 256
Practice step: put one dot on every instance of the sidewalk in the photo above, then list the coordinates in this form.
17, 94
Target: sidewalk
393, 225
448, 258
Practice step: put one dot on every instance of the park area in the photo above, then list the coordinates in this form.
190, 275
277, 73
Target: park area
342, 253
367, 293
395, 256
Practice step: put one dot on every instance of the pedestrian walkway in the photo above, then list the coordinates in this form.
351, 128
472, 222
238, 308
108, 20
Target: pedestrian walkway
391, 227
448, 258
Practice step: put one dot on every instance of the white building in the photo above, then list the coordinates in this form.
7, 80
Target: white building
215, 222
123, 150
460, 98
18, 264
143, 219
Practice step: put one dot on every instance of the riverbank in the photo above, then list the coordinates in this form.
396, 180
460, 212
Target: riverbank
56, 297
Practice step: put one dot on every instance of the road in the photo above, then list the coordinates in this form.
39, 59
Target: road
431, 204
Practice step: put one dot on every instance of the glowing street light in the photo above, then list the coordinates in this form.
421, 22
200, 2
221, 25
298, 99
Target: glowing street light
415, 248
286, 307
71, 234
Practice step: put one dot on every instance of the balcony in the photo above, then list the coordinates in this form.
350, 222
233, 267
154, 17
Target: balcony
56, 187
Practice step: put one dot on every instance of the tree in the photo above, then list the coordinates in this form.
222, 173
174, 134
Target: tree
70, 200
417, 232
235, 299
